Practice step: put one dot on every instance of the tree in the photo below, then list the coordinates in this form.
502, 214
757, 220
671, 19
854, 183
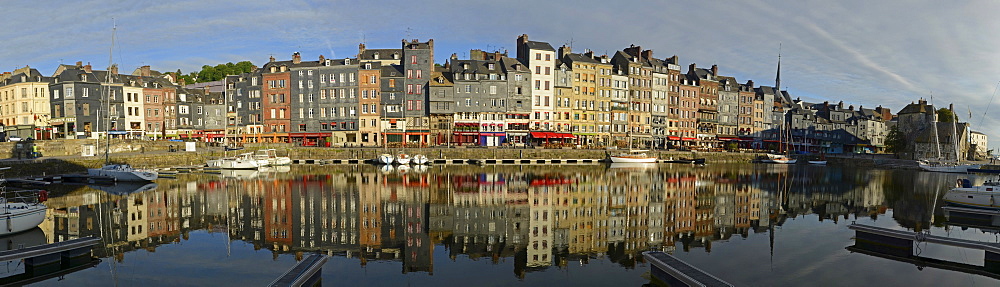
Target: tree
945, 115
895, 141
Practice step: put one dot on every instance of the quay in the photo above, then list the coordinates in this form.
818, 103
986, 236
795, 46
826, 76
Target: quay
667, 270
306, 273
45, 261
900, 244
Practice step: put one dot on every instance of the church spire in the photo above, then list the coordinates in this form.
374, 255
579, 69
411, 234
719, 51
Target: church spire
777, 78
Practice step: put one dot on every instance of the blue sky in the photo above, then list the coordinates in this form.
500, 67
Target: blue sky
866, 53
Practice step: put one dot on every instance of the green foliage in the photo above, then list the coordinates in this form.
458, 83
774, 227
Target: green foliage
731, 146
945, 115
895, 141
215, 73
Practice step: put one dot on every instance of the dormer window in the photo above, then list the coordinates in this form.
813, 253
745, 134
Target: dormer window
395, 56
490, 66
465, 66
347, 61
375, 56
327, 63
368, 66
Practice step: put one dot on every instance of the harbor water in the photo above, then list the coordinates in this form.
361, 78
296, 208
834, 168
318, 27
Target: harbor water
502, 225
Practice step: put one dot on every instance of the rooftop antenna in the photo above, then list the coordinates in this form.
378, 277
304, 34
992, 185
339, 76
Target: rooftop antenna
777, 78
408, 31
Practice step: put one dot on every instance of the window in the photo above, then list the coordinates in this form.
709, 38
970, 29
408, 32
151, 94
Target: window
419, 74
413, 59
493, 90
420, 89
409, 89
548, 57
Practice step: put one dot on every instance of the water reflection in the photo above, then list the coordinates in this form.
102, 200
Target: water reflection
541, 217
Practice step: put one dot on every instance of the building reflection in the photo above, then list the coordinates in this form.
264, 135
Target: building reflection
532, 217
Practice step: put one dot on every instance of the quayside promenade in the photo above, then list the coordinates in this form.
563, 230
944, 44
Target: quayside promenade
64, 156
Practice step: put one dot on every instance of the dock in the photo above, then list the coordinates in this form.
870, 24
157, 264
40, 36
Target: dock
306, 273
56, 258
899, 243
667, 270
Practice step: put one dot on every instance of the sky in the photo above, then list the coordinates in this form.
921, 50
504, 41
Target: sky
865, 53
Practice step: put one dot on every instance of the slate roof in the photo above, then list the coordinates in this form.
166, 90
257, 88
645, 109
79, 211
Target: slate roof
383, 54
919, 107
535, 45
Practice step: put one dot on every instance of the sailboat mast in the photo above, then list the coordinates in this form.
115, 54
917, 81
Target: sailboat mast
107, 128
954, 130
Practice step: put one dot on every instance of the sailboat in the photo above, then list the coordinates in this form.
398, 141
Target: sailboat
272, 158
120, 172
21, 211
781, 158
632, 156
950, 167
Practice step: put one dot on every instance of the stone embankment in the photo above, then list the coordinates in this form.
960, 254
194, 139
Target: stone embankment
64, 156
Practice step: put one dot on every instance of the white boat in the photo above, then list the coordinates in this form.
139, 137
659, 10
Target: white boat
385, 158
817, 162
420, 159
125, 188
386, 169
636, 166
780, 158
945, 167
632, 156
242, 161
20, 212
977, 196
403, 159
123, 172
272, 158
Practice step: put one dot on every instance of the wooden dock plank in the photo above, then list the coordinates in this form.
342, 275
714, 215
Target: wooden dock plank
48, 248
682, 271
301, 272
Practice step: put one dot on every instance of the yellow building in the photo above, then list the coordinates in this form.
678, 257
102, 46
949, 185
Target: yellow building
24, 102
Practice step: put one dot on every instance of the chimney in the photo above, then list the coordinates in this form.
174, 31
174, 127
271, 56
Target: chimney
144, 71
691, 67
749, 82
361, 49
840, 106
296, 58
648, 54
454, 56
272, 59
674, 60
850, 108
715, 70
589, 54
633, 50
951, 107
113, 69
86, 68
564, 50
79, 64
181, 80
322, 59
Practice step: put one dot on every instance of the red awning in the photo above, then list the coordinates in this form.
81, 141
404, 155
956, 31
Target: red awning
539, 135
561, 136
673, 138
728, 139
688, 139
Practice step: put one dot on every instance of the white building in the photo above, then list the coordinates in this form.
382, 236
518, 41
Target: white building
979, 143
540, 58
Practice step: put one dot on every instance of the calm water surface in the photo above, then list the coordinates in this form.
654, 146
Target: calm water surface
751, 225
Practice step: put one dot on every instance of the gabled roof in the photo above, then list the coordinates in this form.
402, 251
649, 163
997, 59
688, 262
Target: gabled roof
919, 107
513, 65
392, 71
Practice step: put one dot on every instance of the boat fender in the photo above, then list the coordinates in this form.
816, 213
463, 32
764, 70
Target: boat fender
43, 195
966, 183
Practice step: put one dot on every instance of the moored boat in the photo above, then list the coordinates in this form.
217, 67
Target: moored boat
242, 161
123, 172
986, 195
403, 159
949, 168
420, 159
21, 210
817, 162
385, 158
632, 156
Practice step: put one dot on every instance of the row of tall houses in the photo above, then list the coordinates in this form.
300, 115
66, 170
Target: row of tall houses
540, 96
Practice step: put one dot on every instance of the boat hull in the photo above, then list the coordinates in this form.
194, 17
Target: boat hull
386, 159
817, 162
621, 159
420, 159
123, 173
961, 168
984, 197
239, 164
21, 217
